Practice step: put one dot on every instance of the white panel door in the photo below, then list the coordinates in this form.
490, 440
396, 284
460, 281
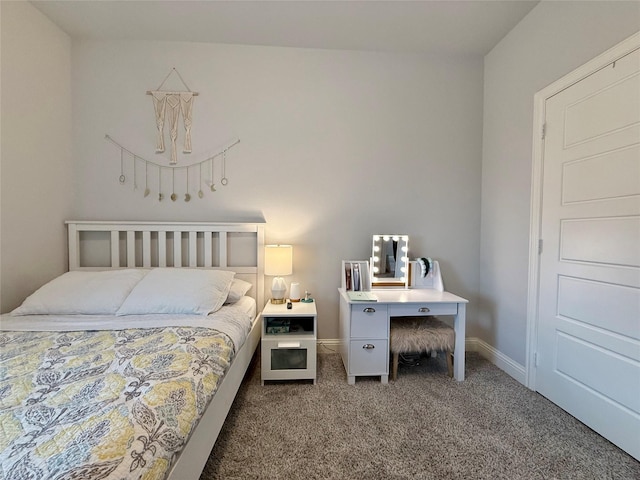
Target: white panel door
588, 348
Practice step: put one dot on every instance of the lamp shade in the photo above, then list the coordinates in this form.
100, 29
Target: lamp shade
278, 260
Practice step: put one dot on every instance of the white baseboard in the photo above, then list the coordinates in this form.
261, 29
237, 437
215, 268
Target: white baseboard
472, 344
328, 345
499, 359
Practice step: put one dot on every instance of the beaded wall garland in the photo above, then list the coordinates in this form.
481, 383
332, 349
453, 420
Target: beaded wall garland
207, 166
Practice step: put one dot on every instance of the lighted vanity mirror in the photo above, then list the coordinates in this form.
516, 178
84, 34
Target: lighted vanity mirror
390, 261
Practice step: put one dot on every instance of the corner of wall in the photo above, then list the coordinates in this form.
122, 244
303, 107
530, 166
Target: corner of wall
36, 192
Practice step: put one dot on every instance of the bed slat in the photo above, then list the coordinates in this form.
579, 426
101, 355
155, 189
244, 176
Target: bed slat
131, 248
208, 260
223, 249
177, 249
146, 249
115, 249
193, 249
162, 249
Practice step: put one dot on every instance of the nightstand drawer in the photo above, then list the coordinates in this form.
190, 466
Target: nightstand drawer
369, 321
286, 358
368, 357
417, 309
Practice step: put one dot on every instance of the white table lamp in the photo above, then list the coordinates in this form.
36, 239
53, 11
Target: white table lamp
278, 260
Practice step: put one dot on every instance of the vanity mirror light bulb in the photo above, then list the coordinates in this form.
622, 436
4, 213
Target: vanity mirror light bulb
405, 249
376, 259
385, 238
376, 248
376, 269
376, 238
395, 238
405, 259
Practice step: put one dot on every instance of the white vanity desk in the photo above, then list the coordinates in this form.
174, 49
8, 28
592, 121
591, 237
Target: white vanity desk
364, 327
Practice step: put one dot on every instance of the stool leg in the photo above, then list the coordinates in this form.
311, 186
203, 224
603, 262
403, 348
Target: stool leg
449, 354
394, 371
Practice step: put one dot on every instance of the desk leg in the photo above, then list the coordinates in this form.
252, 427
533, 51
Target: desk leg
459, 326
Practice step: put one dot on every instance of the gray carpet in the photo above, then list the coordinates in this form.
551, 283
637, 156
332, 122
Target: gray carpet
424, 426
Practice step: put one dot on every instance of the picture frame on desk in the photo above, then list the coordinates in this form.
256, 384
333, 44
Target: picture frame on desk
356, 275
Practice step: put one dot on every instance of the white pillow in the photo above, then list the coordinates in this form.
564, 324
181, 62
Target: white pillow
82, 293
178, 290
238, 289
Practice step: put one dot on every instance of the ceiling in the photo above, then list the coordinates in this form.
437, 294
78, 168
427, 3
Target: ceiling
449, 27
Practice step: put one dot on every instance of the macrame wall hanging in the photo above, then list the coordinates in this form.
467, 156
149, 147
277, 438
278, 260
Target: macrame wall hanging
176, 103
173, 103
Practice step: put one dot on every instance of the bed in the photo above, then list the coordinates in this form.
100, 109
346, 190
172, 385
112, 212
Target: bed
127, 365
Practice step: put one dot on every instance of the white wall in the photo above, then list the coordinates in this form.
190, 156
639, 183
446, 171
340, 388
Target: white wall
335, 146
551, 41
36, 171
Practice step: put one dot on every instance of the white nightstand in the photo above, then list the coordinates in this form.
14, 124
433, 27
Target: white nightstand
288, 342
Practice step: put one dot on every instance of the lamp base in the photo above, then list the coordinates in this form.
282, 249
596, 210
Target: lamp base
278, 291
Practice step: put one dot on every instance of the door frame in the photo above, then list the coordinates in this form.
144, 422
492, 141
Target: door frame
539, 114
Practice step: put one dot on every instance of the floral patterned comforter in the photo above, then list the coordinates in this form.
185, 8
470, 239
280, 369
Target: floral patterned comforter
104, 404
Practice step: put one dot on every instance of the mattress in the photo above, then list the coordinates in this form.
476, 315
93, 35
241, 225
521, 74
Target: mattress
109, 397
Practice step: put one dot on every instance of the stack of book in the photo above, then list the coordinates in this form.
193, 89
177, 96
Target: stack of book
356, 280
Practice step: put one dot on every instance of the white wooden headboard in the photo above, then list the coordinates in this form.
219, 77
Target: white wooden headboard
104, 245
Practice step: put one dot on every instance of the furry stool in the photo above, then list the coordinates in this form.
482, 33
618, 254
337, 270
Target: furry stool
420, 334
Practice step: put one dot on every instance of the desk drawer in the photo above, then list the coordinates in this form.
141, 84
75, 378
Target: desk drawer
369, 321
419, 309
368, 357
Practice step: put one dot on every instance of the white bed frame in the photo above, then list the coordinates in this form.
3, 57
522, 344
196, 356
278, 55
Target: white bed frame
192, 245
